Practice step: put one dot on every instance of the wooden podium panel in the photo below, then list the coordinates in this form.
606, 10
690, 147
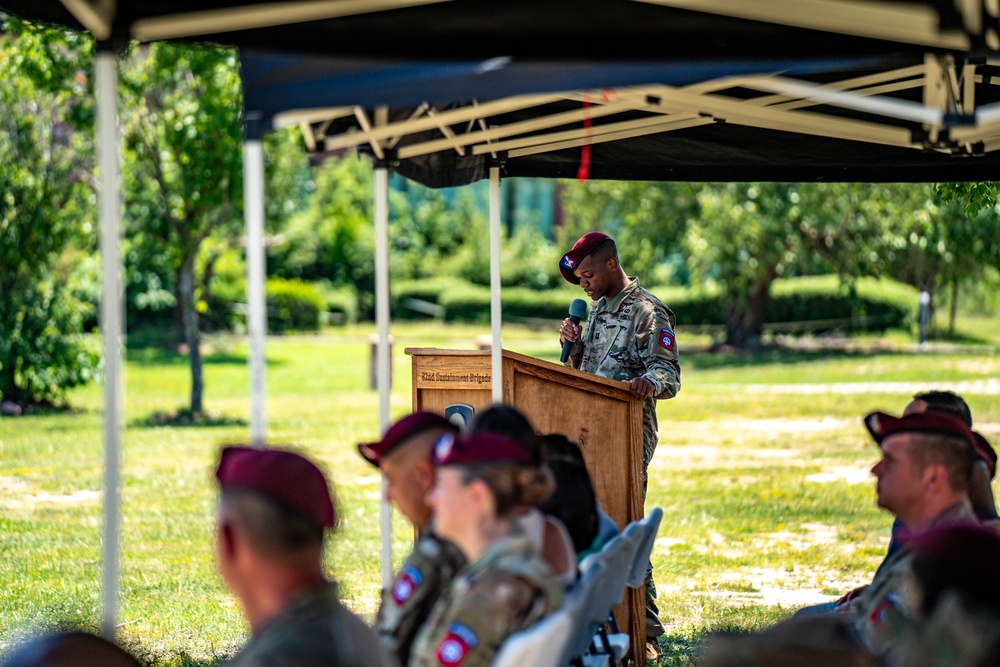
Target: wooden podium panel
599, 414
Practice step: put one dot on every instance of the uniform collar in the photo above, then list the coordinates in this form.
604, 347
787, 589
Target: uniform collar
611, 306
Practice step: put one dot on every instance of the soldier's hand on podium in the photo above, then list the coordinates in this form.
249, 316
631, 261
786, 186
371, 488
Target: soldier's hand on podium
640, 387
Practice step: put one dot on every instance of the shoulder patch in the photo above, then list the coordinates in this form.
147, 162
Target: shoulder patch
668, 340
409, 580
456, 645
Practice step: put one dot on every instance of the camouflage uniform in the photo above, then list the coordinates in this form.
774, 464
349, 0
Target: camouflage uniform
878, 612
629, 336
314, 631
507, 589
406, 604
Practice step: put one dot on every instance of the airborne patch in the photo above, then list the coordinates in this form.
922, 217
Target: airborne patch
407, 582
668, 340
456, 645
568, 262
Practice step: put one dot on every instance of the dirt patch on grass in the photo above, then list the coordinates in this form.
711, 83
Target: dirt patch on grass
45, 498
842, 474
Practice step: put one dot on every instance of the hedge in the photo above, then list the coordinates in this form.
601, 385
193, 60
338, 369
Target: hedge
293, 305
870, 305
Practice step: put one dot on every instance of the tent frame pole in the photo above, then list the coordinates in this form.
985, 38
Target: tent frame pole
253, 206
112, 310
496, 351
383, 358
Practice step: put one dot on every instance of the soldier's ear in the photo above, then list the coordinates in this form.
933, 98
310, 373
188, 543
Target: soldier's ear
423, 470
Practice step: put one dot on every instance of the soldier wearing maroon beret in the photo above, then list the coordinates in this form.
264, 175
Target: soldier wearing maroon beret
274, 508
482, 479
629, 336
404, 457
923, 480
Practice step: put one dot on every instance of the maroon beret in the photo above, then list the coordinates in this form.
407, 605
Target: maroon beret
480, 448
286, 477
401, 431
586, 245
967, 544
882, 425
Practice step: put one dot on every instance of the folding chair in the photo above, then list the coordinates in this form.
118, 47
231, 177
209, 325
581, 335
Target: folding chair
580, 602
544, 644
616, 557
648, 528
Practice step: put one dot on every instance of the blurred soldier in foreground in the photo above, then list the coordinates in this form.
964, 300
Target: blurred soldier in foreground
70, 649
273, 510
404, 456
506, 587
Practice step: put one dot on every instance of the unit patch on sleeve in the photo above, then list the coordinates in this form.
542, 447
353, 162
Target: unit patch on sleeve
667, 339
457, 644
409, 580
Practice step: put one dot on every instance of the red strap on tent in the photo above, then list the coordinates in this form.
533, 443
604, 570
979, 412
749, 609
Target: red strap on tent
583, 173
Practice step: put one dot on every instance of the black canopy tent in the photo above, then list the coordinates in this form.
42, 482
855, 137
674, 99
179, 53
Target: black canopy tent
563, 36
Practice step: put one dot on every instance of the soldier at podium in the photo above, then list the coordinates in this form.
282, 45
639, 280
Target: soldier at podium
629, 336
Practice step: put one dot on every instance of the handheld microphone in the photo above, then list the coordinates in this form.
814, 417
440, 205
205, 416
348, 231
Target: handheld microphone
577, 310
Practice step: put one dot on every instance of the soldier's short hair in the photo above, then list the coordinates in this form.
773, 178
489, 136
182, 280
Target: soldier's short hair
947, 402
954, 453
269, 527
604, 251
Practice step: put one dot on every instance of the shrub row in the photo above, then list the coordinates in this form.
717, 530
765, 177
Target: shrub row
868, 305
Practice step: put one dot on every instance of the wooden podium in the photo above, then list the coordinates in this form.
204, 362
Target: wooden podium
599, 414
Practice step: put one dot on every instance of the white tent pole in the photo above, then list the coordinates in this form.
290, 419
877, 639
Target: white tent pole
112, 309
253, 210
495, 311
383, 359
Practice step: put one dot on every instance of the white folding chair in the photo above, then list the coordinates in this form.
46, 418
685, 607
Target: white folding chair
580, 600
616, 560
542, 645
649, 527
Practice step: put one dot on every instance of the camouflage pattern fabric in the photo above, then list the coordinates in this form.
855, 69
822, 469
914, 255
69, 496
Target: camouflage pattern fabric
314, 631
630, 336
506, 590
407, 603
878, 611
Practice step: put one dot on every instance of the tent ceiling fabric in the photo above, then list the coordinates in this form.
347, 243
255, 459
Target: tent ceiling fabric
554, 29
908, 119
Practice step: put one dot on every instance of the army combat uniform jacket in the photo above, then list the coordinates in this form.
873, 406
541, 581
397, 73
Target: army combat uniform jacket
630, 336
506, 590
314, 631
878, 612
407, 603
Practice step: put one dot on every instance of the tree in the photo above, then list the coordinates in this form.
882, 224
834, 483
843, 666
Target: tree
183, 166
46, 204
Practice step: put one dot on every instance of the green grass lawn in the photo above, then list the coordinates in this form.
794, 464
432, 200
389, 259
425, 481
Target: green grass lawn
761, 472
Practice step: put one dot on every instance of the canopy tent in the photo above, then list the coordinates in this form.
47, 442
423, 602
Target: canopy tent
901, 118
563, 35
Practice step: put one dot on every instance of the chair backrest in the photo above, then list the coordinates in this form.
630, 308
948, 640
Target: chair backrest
580, 599
618, 556
542, 645
648, 528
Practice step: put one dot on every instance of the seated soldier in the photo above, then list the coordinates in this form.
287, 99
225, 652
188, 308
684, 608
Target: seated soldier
273, 510
923, 480
547, 533
980, 492
404, 456
481, 479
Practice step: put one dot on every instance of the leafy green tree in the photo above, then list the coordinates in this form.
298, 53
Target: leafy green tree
183, 166
46, 205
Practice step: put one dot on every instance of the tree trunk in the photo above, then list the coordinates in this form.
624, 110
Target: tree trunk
192, 336
953, 307
745, 321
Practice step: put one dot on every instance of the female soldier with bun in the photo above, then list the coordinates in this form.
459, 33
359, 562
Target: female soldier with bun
506, 587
